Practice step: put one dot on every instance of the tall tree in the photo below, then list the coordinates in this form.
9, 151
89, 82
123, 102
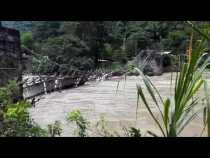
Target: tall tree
45, 29
94, 34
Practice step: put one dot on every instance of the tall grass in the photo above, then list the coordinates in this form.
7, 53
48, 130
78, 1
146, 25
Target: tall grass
178, 110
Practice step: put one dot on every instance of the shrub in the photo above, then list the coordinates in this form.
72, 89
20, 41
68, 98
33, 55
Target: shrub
102, 128
27, 39
132, 132
42, 65
10, 93
15, 120
54, 129
81, 122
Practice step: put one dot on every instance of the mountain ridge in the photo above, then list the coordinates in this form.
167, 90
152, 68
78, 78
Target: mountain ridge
22, 26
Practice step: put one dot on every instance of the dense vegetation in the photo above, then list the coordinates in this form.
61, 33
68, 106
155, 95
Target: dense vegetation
63, 47
178, 110
14, 116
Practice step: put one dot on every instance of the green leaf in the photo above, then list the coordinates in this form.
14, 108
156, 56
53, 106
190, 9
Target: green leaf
141, 94
197, 30
208, 106
166, 112
204, 116
151, 92
152, 134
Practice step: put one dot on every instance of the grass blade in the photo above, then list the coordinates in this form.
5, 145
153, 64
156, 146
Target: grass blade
141, 94
166, 113
208, 107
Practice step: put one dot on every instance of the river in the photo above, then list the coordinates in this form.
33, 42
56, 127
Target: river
116, 105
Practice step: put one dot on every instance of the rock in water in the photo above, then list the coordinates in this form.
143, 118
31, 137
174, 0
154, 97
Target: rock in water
151, 62
155, 63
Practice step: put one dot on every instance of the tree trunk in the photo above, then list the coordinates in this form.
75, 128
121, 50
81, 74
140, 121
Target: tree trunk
124, 44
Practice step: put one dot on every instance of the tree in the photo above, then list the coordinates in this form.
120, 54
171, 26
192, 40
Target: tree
45, 29
67, 41
95, 35
27, 39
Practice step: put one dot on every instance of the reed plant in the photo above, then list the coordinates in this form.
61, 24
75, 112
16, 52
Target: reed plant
179, 109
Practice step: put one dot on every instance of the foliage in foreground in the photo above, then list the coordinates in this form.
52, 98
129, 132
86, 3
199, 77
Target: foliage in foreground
181, 108
15, 120
101, 128
54, 129
14, 116
81, 122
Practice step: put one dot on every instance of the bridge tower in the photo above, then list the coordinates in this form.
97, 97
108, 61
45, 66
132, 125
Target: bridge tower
10, 55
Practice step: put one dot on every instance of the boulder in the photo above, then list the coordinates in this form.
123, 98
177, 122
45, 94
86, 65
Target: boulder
150, 62
155, 63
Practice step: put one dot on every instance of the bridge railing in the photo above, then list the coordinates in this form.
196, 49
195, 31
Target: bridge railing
50, 84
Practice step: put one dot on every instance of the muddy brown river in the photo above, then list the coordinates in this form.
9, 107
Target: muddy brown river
103, 99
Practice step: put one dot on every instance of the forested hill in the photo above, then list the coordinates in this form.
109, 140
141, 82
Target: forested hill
66, 46
22, 26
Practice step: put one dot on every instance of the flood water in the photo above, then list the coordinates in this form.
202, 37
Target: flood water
116, 105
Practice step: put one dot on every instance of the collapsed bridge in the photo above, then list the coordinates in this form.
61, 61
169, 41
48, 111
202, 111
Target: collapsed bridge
38, 85
14, 60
